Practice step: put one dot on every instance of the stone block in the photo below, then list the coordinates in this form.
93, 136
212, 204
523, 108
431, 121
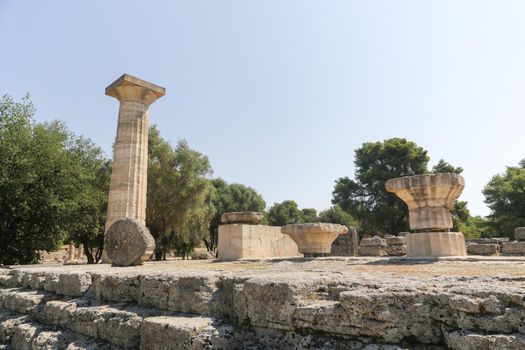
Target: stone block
396, 250
372, 251
435, 244
393, 240
242, 217
519, 234
240, 241
346, 244
513, 248
73, 284
191, 333
483, 249
372, 242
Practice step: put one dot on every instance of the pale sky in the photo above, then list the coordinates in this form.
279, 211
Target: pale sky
279, 93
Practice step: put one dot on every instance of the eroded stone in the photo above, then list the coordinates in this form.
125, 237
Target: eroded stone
129, 243
314, 239
244, 217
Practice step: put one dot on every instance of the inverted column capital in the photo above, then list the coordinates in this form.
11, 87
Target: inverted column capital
130, 88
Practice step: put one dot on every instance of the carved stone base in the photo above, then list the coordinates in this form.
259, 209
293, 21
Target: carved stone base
436, 244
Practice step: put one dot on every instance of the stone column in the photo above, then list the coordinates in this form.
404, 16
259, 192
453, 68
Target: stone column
429, 199
127, 193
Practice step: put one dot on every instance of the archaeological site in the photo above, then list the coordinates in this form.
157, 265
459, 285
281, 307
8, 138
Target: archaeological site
303, 285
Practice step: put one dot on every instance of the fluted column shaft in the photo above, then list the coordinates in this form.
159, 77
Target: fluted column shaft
129, 177
127, 194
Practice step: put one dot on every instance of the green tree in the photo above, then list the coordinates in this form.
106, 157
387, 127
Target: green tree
366, 198
474, 227
310, 215
230, 198
505, 197
45, 174
89, 206
178, 209
445, 167
336, 215
287, 212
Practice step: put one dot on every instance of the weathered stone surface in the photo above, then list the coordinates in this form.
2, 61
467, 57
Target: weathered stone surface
242, 217
492, 240
483, 249
314, 238
396, 250
129, 243
127, 193
373, 242
395, 240
192, 333
519, 233
429, 198
73, 284
513, 248
329, 303
346, 244
472, 341
202, 255
436, 244
375, 250
240, 241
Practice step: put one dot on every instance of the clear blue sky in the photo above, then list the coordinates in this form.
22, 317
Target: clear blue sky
278, 94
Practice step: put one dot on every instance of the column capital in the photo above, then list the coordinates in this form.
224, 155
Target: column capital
130, 88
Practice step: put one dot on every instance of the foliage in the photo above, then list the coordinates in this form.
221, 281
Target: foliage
46, 174
230, 198
282, 214
474, 227
310, 215
366, 198
445, 167
505, 197
89, 207
336, 215
178, 209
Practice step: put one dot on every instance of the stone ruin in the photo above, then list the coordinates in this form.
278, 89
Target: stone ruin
516, 247
429, 199
333, 303
129, 242
314, 239
242, 237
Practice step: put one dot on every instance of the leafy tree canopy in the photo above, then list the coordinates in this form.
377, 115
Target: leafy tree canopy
336, 215
287, 212
48, 184
366, 198
505, 197
231, 198
178, 211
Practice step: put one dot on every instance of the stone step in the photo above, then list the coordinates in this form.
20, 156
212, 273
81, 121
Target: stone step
475, 341
118, 324
22, 332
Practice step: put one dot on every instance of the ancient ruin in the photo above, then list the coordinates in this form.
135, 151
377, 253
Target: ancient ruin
325, 303
241, 237
127, 193
429, 199
314, 239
